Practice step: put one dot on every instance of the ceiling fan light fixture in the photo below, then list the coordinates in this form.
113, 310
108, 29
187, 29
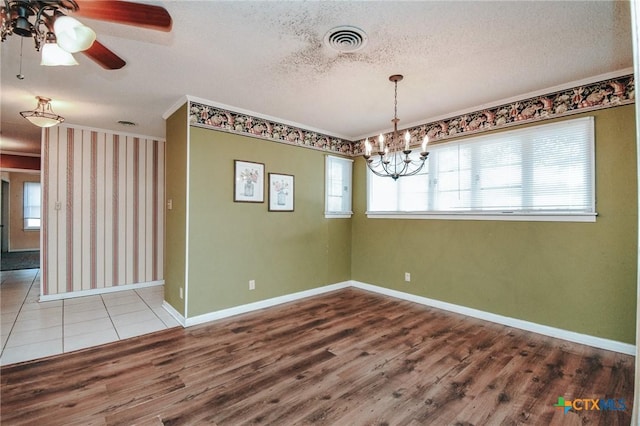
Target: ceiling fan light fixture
43, 115
53, 55
37, 18
72, 35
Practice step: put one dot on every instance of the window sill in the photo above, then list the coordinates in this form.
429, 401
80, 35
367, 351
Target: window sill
525, 217
336, 215
30, 229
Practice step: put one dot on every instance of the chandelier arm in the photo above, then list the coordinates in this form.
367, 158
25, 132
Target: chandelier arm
405, 167
415, 171
375, 172
396, 169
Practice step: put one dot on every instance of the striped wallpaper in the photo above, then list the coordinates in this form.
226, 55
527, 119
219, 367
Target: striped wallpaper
102, 210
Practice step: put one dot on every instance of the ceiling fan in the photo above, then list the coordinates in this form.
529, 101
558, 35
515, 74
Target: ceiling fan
55, 32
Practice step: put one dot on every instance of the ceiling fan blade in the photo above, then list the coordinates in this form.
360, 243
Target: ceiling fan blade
104, 57
122, 12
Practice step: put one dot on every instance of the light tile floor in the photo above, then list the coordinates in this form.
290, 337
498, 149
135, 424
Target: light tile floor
31, 329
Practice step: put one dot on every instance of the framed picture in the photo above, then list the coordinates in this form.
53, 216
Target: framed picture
248, 183
281, 192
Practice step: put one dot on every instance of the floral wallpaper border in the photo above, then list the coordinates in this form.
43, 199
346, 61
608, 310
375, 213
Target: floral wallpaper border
599, 95
229, 121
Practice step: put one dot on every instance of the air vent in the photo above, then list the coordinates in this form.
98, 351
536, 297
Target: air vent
346, 39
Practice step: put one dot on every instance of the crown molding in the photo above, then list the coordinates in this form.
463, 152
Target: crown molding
66, 125
598, 92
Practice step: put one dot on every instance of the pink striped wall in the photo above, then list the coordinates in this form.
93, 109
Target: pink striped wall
103, 209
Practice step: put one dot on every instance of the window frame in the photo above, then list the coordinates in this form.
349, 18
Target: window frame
25, 226
346, 211
472, 214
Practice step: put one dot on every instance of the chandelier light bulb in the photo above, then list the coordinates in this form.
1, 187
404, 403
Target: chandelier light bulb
407, 140
367, 147
424, 143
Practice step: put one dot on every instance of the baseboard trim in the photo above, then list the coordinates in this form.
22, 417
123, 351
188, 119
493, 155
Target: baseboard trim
103, 290
545, 330
174, 313
267, 303
585, 339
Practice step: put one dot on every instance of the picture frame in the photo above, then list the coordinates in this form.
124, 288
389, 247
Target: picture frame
281, 192
248, 182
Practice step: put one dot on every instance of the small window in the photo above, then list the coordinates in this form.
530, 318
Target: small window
338, 187
31, 198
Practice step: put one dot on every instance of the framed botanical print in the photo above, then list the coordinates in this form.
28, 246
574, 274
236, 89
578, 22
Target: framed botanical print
281, 192
248, 183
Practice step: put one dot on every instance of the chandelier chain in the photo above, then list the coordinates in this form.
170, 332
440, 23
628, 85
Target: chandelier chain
395, 103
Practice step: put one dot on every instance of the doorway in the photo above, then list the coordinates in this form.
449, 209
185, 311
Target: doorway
20, 219
4, 217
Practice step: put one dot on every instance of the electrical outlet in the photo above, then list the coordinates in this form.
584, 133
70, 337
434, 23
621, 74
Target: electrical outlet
181, 293
252, 284
169, 204
407, 277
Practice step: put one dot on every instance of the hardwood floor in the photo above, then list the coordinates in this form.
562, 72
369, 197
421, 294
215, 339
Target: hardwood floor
344, 358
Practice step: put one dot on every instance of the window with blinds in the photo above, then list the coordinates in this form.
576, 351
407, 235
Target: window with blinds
540, 170
338, 187
31, 205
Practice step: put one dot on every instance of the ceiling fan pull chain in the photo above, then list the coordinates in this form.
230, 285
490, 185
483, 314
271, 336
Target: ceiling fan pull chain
19, 75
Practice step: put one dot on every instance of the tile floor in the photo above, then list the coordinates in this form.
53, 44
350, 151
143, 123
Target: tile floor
31, 329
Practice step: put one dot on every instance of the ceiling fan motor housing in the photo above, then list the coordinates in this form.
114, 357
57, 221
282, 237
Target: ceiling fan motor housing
21, 24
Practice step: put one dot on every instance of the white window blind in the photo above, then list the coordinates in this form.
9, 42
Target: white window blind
545, 169
31, 205
338, 186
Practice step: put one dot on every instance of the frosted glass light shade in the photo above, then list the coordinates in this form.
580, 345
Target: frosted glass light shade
53, 55
72, 35
42, 121
43, 115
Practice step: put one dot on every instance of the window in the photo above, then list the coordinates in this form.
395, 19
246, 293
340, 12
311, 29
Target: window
31, 198
545, 170
338, 187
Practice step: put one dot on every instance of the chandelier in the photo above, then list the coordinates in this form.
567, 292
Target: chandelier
393, 158
43, 115
56, 35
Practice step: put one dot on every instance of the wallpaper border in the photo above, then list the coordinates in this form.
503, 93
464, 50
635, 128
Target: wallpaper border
607, 93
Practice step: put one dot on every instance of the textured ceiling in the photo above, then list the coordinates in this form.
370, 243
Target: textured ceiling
269, 58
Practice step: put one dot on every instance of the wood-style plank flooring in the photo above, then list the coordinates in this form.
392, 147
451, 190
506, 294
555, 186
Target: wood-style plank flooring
343, 358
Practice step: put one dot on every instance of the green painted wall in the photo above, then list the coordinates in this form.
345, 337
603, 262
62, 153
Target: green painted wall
175, 225
231, 243
574, 276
